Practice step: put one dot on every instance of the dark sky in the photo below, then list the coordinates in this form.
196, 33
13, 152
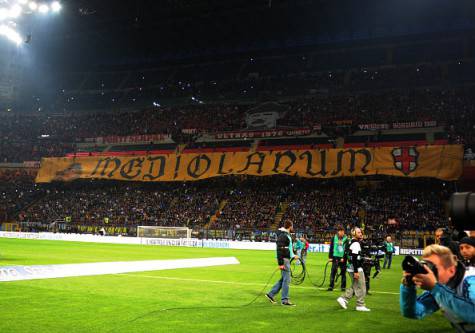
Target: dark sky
92, 32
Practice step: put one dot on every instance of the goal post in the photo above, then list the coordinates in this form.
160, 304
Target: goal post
163, 232
10, 226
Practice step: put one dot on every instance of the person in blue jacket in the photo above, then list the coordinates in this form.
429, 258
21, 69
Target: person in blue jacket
450, 288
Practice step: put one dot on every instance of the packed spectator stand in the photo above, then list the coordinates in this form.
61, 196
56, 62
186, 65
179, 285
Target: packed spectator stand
194, 108
241, 205
30, 137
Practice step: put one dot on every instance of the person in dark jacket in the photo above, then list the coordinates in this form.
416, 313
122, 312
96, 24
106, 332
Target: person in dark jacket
285, 252
467, 251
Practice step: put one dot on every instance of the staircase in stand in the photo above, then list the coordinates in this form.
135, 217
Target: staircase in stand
283, 206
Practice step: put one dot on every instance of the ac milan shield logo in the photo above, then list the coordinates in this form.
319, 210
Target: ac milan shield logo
405, 159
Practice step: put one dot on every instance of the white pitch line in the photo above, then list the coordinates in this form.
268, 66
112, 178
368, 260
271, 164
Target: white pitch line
231, 282
18, 273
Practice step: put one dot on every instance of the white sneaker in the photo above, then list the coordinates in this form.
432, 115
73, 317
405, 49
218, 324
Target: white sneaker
342, 302
362, 309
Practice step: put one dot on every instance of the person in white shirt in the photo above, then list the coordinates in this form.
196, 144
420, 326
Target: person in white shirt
358, 287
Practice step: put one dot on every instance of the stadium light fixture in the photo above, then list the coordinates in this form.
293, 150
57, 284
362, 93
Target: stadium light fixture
33, 6
43, 8
3, 14
15, 11
10, 34
55, 7
11, 10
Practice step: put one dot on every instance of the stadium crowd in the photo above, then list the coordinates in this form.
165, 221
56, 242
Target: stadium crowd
98, 203
30, 137
237, 203
354, 96
374, 204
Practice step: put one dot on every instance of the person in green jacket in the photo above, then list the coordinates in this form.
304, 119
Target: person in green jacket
388, 257
337, 257
299, 246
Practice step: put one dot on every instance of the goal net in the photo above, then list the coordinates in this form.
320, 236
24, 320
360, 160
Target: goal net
163, 232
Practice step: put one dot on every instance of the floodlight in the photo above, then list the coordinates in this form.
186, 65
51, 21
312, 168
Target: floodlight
3, 14
43, 8
55, 7
10, 34
33, 5
15, 11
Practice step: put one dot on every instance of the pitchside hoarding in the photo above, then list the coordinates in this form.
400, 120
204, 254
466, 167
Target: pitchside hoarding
191, 242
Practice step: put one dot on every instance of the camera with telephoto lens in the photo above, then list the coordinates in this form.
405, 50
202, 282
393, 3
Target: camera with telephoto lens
462, 217
414, 266
373, 249
462, 211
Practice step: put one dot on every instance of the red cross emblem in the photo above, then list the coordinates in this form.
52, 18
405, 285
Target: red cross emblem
405, 159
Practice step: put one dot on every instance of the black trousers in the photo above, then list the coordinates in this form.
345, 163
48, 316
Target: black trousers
335, 264
367, 273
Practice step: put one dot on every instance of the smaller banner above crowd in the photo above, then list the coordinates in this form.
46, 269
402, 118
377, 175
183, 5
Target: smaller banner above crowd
443, 162
264, 134
400, 125
144, 138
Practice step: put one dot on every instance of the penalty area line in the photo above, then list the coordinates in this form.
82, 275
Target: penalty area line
230, 282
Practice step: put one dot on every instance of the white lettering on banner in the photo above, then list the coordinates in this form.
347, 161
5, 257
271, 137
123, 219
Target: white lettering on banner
411, 252
32, 164
266, 134
132, 138
17, 273
373, 127
318, 248
412, 124
404, 125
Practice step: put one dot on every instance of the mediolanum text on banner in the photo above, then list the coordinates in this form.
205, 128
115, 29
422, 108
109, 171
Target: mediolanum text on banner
442, 162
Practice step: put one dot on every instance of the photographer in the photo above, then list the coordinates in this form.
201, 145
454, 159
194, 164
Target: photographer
467, 251
389, 249
444, 237
438, 235
449, 286
284, 254
336, 256
358, 287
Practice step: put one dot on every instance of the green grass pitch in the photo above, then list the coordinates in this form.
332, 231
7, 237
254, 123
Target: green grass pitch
133, 302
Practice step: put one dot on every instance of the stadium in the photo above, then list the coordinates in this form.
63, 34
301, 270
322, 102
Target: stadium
164, 163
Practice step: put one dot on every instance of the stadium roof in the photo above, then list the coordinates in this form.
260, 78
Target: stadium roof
111, 31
